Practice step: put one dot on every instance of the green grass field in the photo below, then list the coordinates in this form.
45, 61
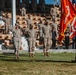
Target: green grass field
55, 64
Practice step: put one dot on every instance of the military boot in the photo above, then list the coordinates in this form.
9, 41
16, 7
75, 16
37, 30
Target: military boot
47, 54
44, 53
30, 54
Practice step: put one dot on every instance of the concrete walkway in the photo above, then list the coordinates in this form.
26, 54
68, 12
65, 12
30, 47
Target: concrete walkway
41, 50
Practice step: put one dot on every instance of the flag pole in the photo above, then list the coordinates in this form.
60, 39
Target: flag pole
13, 12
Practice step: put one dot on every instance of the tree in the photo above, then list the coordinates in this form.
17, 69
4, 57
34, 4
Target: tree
2, 4
34, 5
42, 5
56, 1
27, 4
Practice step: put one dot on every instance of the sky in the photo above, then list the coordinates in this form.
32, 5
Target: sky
49, 1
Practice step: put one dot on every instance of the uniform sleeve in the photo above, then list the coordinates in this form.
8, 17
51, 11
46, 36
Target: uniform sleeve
26, 30
41, 26
35, 34
11, 28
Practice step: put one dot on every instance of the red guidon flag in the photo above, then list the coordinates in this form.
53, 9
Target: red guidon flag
68, 13
73, 28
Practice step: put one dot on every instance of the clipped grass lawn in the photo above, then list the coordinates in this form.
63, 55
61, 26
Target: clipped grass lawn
55, 64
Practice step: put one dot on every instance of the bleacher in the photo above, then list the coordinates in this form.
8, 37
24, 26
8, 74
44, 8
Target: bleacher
23, 24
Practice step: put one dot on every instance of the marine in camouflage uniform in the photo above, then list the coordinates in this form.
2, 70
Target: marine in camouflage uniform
16, 39
41, 35
7, 21
47, 37
23, 10
54, 35
53, 12
31, 39
55, 26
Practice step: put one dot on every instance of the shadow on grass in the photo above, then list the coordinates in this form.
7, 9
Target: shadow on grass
10, 57
20, 60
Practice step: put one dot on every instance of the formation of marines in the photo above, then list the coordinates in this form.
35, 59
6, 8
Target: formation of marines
31, 31
46, 32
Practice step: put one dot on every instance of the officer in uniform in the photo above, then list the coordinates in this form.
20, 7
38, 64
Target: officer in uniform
54, 36
53, 12
16, 38
31, 39
67, 40
55, 26
23, 10
7, 21
47, 36
41, 35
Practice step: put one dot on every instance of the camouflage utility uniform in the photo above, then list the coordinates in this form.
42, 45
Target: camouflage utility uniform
31, 39
47, 37
7, 21
23, 10
16, 40
53, 12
